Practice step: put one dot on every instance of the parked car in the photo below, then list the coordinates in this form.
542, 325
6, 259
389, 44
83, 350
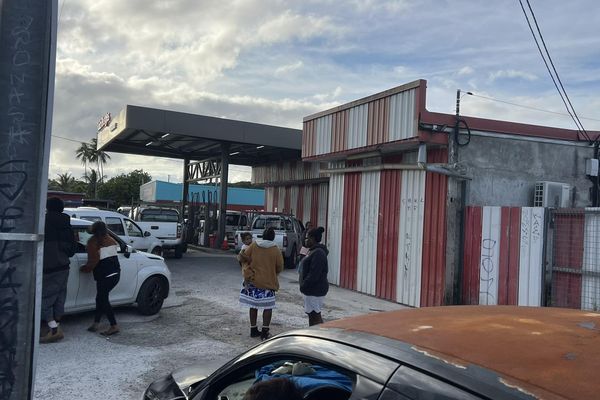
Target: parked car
129, 231
165, 224
464, 352
145, 278
288, 234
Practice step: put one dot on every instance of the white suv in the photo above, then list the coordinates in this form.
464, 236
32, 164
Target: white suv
145, 278
119, 224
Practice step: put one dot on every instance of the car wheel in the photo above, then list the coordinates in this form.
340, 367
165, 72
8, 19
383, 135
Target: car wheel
178, 252
290, 262
151, 296
184, 248
157, 251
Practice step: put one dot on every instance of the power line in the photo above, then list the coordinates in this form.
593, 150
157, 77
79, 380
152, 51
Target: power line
70, 140
571, 110
529, 107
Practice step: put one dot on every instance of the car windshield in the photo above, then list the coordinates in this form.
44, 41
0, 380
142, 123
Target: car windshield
232, 219
159, 215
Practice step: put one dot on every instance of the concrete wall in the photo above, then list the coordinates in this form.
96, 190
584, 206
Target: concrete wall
505, 169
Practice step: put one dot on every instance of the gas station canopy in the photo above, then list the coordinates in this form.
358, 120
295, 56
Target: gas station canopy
171, 134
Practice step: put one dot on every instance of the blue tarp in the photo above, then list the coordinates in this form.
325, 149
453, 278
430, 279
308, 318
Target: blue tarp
322, 376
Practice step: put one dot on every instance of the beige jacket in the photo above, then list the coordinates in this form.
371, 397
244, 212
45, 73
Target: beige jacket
265, 263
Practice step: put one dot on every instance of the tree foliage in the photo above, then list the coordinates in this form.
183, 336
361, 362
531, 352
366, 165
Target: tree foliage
67, 183
124, 189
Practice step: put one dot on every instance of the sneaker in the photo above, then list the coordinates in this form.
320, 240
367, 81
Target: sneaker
94, 327
114, 329
254, 332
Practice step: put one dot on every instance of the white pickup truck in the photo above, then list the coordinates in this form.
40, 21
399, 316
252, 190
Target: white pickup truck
288, 233
164, 223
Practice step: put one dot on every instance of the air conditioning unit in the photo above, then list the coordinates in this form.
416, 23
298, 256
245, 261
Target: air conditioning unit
552, 194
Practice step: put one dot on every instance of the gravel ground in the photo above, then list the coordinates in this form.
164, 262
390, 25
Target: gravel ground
200, 322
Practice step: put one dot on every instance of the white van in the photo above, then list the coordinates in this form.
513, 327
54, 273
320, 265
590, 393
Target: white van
122, 226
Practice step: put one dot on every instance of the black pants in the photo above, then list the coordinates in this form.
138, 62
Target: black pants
103, 307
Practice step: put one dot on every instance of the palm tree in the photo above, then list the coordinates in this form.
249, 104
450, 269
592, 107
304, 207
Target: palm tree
98, 156
65, 182
93, 180
83, 153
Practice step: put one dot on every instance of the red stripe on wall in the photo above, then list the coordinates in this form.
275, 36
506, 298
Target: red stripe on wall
300, 203
377, 121
339, 131
569, 229
433, 269
472, 255
389, 230
351, 218
510, 243
287, 200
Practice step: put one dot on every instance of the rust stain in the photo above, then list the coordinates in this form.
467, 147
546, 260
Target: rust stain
525, 346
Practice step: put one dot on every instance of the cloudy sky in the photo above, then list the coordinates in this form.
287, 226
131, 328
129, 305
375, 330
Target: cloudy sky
276, 61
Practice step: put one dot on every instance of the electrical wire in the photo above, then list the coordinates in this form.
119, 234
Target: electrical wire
529, 107
577, 122
556, 72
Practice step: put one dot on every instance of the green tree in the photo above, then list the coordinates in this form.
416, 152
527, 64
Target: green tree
125, 188
83, 154
93, 181
98, 156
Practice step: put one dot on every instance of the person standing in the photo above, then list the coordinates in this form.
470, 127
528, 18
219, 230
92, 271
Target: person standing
313, 279
265, 262
59, 245
104, 263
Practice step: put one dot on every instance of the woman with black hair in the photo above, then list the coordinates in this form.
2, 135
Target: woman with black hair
104, 263
264, 262
313, 279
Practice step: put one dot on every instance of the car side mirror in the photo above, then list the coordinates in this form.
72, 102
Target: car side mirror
146, 234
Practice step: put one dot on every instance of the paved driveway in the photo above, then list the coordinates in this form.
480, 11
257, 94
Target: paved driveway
200, 322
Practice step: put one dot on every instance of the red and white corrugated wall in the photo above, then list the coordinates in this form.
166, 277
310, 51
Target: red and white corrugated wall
503, 256
376, 225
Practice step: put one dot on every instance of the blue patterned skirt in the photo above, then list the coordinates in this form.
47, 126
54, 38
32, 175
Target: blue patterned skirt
253, 297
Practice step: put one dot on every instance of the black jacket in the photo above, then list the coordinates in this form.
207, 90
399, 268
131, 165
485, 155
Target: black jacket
59, 242
313, 281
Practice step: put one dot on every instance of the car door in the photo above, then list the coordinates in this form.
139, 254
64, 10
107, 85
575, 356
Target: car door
135, 236
75, 262
122, 293
367, 372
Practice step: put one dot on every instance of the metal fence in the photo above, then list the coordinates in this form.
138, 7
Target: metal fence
574, 259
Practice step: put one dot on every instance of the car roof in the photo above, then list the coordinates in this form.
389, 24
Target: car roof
540, 350
80, 222
87, 211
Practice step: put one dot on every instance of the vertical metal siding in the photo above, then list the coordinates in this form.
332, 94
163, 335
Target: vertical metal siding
490, 250
402, 115
300, 203
377, 129
339, 131
357, 126
314, 209
323, 200
276, 198
335, 225
569, 230
307, 202
269, 195
510, 239
590, 297
308, 138
323, 135
281, 199
411, 238
351, 228
531, 256
368, 232
434, 234
472, 255
389, 223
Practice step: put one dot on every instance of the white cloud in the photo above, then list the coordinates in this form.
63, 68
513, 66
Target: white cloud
284, 69
466, 70
512, 74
